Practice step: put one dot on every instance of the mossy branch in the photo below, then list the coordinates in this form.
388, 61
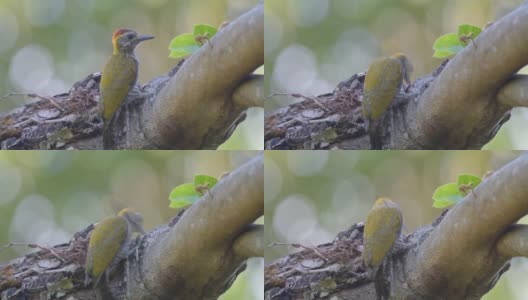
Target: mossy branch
251, 92
515, 92
198, 100
198, 250
514, 242
251, 242
471, 229
460, 110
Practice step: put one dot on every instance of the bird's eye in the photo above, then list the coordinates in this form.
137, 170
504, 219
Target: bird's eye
130, 36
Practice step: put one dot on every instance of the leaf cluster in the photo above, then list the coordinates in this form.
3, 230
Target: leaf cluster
186, 44
452, 193
451, 43
188, 193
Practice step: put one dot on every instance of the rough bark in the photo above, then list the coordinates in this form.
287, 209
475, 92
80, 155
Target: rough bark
197, 255
197, 105
461, 105
461, 255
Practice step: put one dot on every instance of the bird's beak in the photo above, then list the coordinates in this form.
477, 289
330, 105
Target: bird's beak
142, 38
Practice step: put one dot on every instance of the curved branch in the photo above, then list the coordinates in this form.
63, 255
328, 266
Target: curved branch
470, 229
201, 90
459, 110
515, 92
250, 243
250, 93
514, 242
204, 236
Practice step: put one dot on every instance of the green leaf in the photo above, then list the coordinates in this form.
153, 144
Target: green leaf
204, 181
204, 30
187, 43
183, 195
447, 45
469, 30
442, 54
468, 179
447, 195
467, 182
183, 45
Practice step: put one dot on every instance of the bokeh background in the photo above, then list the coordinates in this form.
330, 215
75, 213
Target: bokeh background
310, 196
46, 46
312, 45
48, 196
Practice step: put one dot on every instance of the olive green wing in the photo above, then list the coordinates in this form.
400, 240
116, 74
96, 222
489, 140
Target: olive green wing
382, 82
382, 229
118, 77
105, 243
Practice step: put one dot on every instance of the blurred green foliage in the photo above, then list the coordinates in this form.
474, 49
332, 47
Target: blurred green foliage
48, 196
311, 45
310, 196
46, 46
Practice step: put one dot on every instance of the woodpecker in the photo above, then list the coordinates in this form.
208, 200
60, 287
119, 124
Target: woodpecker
383, 81
109, 243
382, 231
120, 74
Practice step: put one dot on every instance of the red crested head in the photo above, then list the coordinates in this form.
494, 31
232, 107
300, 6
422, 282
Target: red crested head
125, 40
119, 32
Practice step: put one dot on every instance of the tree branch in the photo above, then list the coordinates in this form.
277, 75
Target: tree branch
191, 258
251, 92
514, 242
470, 229
235, 202
515, 92
464, 94
250, 243
201, 91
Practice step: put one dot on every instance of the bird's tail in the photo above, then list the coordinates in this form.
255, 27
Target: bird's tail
107, 135
375, 135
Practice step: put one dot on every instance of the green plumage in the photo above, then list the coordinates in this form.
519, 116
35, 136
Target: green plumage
106, 242
110, 243
382, 229
119, 76
383, 81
